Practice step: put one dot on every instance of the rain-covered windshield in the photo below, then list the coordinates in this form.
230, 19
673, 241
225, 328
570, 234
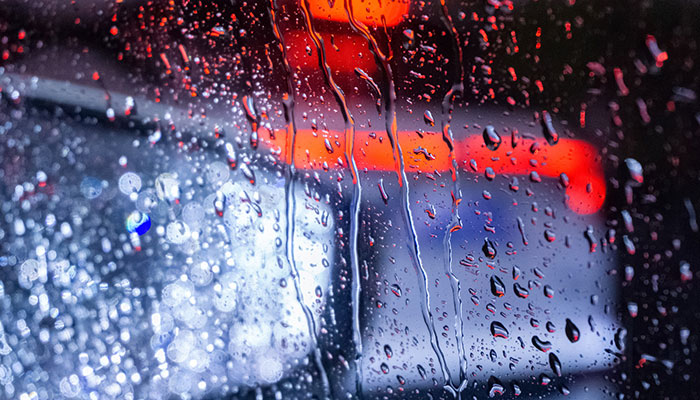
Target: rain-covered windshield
371, 199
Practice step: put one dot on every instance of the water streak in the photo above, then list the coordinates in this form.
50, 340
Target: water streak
455, 222
389, 102
357, 188
289, 188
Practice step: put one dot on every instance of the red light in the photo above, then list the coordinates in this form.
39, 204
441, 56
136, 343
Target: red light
578, 160
369, 12
344, 53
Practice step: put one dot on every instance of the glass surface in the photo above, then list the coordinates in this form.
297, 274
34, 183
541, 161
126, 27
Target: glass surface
393, 199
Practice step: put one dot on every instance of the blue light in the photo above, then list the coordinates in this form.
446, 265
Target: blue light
138, 222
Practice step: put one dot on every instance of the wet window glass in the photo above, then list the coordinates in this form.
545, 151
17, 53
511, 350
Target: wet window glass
349, 199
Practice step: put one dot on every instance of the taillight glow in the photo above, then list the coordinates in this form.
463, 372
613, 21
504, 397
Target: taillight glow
577, 159
369, 12
344, 52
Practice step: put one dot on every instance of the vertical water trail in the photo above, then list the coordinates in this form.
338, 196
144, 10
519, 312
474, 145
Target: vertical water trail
389, 101
356, 194
457, 89
290, 203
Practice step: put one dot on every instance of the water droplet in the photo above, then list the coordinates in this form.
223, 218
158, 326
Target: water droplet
495, 387
548, 129
633, 309
684, 335
620, 337
489, 173
541, 345
516, 273
564, 390
250, 110
167, 187
421, 371
538, 272
549, 235
489, 249
520, 291
428, 118
254, 139
29, 270
548, 291
572, 331
388, 351
382, 191
629, 245
627, 219
138, 222
177, 232
219, 203
592, 243
498, 330
555, 364
521, 228
564, 180
636, 172
493, 355
497, 287
231, 158
248, 173
514, 185
129, 183
686, 273
491, 138
516, 389
329, 146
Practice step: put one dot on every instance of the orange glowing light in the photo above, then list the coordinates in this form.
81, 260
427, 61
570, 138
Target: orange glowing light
369, 12
577, 160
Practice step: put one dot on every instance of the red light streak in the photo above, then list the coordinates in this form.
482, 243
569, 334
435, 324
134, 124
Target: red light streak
369, 12
577, 159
